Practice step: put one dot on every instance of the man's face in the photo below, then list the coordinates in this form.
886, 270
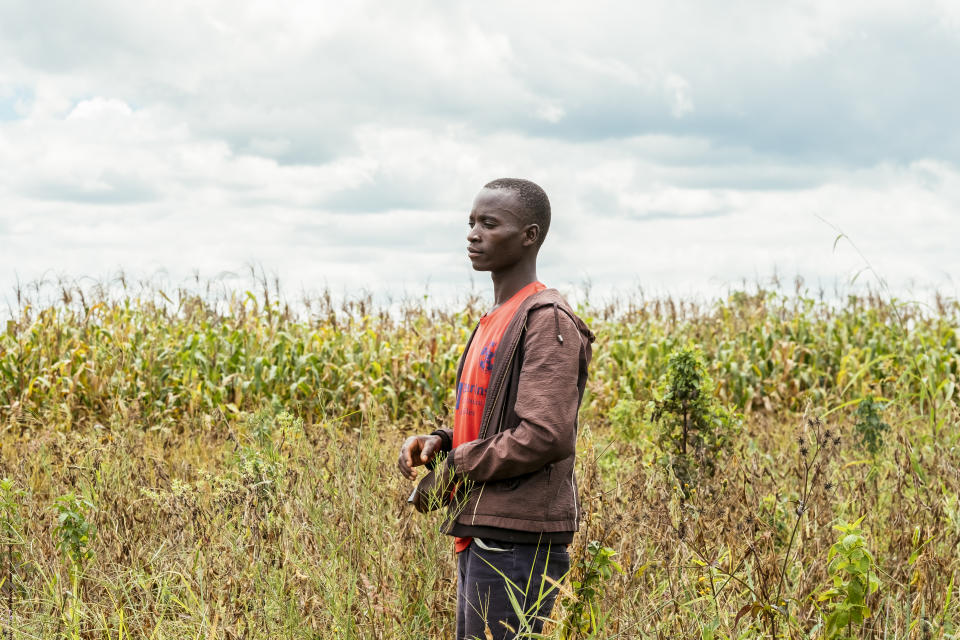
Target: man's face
498, 236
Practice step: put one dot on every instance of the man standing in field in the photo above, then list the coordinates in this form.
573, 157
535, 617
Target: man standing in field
509, 473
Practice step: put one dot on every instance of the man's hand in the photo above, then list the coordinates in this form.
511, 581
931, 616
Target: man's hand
417, 450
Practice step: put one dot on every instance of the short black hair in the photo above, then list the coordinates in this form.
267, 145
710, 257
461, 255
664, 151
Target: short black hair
532, 197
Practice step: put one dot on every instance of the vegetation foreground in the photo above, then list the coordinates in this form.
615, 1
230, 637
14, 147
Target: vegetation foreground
188, 465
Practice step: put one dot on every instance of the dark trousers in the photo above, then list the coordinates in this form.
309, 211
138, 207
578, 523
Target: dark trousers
485, 577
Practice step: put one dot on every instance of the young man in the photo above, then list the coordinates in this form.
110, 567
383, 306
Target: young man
510, 467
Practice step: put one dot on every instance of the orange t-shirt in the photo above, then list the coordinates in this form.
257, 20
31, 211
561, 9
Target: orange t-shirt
477, 367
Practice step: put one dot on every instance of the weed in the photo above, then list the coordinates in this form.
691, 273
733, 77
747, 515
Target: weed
695, 431
870, 425
74, 531
584, 615
627, 418
854, 574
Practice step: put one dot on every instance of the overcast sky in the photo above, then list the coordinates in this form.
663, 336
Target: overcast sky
684, 145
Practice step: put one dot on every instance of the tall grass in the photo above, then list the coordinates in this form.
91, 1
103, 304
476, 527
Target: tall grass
239, 462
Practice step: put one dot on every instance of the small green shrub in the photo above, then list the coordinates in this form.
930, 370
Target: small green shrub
583, 607
854, 576
870, 425
10, 518
74, 532
695, 430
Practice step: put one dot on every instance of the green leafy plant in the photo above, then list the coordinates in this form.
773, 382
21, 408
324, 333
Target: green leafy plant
870, 425
626, 418
695, 430
583, 606
74, 531
260, 459
854, 575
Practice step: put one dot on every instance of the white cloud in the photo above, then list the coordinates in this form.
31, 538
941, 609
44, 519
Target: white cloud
341, 143
551, 113
104, 110
678, 93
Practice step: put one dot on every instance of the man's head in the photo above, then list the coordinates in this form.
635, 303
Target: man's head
508, 223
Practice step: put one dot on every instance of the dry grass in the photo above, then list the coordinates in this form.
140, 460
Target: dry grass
219, 516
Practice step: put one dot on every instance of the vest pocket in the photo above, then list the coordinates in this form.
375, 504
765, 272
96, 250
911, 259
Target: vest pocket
510, 484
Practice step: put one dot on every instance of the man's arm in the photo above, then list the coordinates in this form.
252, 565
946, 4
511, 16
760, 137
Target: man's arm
547, 403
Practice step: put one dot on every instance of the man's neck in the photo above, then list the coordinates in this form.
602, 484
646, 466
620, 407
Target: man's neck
507, 283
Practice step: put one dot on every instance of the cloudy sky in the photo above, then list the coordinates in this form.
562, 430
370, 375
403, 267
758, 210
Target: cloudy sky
685, 145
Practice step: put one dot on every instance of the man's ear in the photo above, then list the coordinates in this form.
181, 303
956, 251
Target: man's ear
531, 235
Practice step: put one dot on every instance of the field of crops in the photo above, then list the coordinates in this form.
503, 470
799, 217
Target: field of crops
187, 464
